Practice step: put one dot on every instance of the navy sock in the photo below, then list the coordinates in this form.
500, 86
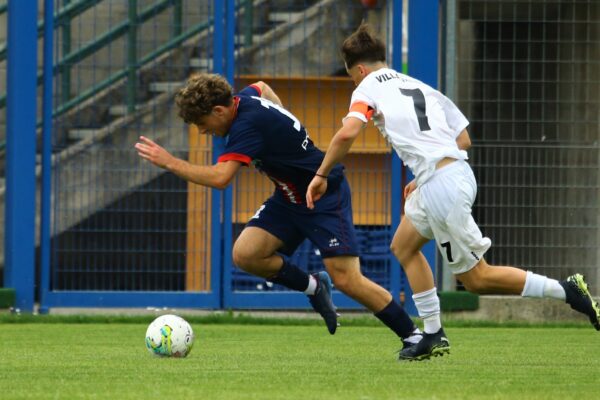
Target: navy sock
291, 277
395, 318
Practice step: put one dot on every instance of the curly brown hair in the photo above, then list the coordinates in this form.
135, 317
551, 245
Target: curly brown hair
363, 46
201, 94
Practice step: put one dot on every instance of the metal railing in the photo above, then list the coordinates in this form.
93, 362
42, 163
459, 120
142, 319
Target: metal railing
128, 27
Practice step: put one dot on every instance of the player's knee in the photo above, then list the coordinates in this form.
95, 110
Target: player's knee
342, 280
239, 260
475, 281
474, 286
396, 251
401, 253
338, 278
242, 258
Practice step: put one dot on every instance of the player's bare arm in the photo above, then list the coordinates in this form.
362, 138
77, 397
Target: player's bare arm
338, 148
268, 93
217, 176
463, 140
340, 144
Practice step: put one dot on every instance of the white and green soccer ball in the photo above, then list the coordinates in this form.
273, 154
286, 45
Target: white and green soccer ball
169, 336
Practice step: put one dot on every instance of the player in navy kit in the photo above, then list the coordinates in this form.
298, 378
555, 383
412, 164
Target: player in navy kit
261, 132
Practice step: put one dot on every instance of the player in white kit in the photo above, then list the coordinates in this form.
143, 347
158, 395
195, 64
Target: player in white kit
428, 132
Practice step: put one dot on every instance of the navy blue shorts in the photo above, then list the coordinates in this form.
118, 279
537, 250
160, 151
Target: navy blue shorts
328, 226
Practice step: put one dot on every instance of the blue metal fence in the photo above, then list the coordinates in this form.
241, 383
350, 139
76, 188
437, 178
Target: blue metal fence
20, 152
116, 232
118, 229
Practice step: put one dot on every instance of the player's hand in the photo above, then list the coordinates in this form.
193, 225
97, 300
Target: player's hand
408, 189
316, 189
149, 150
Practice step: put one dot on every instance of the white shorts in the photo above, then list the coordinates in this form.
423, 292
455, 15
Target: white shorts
440, 209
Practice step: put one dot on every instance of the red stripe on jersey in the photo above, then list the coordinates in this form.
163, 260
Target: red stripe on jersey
244, 159
257, 88
289, 190
362, 108
236, 103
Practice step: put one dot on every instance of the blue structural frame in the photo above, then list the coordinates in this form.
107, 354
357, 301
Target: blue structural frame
423, 44
292, 300
19, 260
398, 277
46, 187
423, 64
227, 68
212, 299
20, 195
131, 299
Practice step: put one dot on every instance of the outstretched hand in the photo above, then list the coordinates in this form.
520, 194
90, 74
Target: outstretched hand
149, 150
316, 189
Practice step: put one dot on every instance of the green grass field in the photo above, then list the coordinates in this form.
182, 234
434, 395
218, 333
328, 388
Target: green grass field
67, 360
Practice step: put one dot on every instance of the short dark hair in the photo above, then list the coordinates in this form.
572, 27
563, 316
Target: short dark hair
201, 93
363, 46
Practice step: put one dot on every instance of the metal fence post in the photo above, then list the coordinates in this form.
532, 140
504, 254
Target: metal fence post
446, 279
177, 18
66, 50
20, 151
248, 22
218, 146
46, 187
228, 192
423, 64
396, 175
132, 55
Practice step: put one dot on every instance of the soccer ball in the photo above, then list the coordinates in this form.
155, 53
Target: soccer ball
169, 336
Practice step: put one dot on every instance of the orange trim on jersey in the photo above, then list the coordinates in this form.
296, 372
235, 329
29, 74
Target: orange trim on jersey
362, 108
257, 88
244, 159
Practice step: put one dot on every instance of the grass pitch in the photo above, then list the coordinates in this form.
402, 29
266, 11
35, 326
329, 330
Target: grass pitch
58, 360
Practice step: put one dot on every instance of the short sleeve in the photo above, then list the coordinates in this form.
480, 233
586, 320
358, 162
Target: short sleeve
455, 119
251, 90
361, 105
244, 143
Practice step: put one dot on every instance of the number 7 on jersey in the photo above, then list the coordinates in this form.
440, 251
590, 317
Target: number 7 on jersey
420, 107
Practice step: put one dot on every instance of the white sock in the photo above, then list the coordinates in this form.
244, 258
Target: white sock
312, 285
534, 285
428, 306
415, 337
542, 286
554, 290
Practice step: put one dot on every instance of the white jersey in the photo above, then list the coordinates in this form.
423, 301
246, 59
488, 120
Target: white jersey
419, 122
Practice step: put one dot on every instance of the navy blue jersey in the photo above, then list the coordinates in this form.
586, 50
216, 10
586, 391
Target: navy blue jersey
275, 142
